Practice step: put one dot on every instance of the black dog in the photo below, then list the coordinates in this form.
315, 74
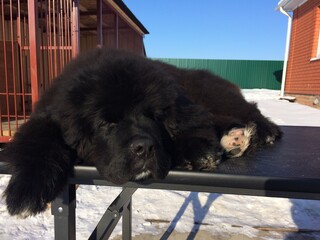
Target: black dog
132, 118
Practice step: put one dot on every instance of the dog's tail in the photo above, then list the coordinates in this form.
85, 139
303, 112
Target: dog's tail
40, 163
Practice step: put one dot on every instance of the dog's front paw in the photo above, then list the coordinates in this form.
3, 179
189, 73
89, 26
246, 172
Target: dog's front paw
267, 132
201, 155
274, 134
208, 162
25, 199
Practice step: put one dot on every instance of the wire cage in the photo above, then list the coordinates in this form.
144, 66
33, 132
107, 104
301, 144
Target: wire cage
35, 44
38, 38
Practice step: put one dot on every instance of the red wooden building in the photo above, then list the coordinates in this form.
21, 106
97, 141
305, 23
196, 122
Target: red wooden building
302, 63
37, 38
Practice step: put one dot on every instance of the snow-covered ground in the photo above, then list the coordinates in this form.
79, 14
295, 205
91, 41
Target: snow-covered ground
218, 213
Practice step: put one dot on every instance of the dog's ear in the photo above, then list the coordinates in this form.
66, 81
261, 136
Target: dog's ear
185, 115
40, 163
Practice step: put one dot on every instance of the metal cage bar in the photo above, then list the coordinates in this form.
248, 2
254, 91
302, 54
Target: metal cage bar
37, 39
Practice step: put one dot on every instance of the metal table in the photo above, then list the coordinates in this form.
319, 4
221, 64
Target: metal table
290, 168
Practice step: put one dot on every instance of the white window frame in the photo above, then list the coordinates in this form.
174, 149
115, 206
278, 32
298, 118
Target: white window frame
317, 57
318, 50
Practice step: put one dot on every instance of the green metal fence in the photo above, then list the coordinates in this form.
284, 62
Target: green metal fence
247, 74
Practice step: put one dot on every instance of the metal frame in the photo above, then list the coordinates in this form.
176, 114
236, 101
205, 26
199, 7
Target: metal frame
64, 211
63, 208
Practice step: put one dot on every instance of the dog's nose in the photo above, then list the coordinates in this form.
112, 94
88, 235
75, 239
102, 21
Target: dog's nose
143, 147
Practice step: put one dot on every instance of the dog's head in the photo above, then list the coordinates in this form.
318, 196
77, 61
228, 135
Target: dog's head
135, 148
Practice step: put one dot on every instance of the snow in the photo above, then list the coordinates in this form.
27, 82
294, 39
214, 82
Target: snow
155, 211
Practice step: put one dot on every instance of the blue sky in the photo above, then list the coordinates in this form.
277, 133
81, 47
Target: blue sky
212, 29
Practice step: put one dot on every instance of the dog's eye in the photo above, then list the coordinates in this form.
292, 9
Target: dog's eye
112, 125
108, 127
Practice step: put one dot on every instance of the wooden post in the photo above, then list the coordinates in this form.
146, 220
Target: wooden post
34, 50
116, 30
99, 24
75, 29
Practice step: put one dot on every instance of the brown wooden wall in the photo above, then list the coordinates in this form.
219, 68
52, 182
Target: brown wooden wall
128, 39
120, 35
303, 73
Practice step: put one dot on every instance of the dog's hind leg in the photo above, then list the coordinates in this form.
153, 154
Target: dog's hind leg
40, 163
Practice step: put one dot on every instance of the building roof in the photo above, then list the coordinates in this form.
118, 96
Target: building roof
127, 11
89, 11
290, 5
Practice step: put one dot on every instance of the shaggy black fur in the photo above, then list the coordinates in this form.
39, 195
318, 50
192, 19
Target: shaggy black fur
129, 116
